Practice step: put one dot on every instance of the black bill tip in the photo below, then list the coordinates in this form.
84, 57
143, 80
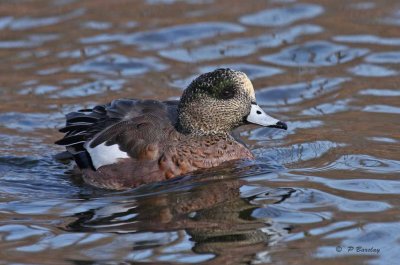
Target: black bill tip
279, 125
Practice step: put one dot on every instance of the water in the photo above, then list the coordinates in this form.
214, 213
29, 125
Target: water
325, 191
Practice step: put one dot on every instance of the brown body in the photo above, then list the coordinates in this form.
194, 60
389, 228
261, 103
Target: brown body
178, 155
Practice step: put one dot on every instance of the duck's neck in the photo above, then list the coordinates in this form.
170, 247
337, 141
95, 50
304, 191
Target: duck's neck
190, 124
194, 131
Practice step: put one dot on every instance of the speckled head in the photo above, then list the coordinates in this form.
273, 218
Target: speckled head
219, 101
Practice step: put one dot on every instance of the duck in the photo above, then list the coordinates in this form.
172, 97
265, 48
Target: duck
131, 142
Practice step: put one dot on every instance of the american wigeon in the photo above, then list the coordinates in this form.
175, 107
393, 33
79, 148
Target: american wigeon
130, 142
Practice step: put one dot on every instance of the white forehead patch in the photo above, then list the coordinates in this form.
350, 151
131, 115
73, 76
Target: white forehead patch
247, 85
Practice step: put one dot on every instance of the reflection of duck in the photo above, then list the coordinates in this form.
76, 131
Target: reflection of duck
131, 142
211, 212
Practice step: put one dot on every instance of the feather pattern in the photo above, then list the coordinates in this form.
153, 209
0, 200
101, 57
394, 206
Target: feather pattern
123, 122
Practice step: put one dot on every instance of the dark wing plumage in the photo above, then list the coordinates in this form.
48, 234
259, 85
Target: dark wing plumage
132, 124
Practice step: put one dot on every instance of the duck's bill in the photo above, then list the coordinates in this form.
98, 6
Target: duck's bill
258, 116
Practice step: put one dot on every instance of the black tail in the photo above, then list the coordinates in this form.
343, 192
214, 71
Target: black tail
79, 129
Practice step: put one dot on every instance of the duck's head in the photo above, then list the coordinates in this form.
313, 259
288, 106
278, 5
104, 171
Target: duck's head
218, 102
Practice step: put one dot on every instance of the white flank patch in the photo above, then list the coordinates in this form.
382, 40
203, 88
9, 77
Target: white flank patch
105, 155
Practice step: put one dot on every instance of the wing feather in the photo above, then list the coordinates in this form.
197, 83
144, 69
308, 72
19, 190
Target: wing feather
131, 124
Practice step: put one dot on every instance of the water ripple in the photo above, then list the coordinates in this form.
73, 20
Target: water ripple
384, 57
299, 92
298, 152
330, 108
118, 64
382, 139
361, 163
30, 23
315, 53
370, 70
289, 216
97, 25
367, 39
39, 90
87, 51
19, 232
363, 5
380, 92
165, 37
239, 47
30, 41
267, 134
312, 198
394, 19
29, 121
369, 186
180, 34
359, 185
282, 16
91, 88
31, 177
382, 109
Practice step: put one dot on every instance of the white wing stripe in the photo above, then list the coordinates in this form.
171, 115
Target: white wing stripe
105, 155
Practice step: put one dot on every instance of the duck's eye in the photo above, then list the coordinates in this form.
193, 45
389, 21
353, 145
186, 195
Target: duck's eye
228, 92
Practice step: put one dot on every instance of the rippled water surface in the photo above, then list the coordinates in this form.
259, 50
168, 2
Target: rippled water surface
326, 191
